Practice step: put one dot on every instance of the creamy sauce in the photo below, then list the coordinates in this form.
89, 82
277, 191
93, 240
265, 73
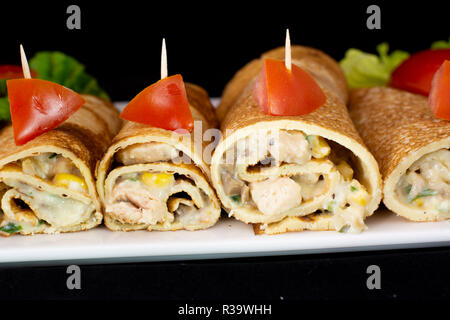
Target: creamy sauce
46, 165
426, 184
40, 210
278, 194
347, 203
190, 216
53, 209
134, 202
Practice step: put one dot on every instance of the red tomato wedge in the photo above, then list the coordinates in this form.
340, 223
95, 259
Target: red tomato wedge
282, 92
164, 104
13, 72
416, 73
38, 106
439, 97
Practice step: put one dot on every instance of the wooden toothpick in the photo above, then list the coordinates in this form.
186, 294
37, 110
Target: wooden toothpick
163, 60
25, 67
287, 51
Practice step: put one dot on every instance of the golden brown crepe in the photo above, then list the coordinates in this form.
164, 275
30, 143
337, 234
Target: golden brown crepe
291, 173
47, 184
155, 179
412, 148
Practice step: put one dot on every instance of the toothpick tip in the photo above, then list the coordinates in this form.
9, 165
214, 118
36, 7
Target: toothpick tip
164, 71
287, 51
25, 67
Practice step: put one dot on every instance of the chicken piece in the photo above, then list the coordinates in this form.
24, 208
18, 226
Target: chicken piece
133, 204
47, 165
290, 147
311, 185
273, 196
29, 167
64, 165
40, 165
146, 153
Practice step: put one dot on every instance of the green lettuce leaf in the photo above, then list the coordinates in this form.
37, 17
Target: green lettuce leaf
4, 109
364, 69
441, 44
63, 69
60, 68
3, 91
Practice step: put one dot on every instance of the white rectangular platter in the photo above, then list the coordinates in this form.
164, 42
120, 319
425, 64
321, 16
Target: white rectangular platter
227, 239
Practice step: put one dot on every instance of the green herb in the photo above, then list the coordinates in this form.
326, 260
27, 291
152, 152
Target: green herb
408, 189
236, 198
41, 221
369, 70
344, 229
11, 228
441, 44
425, 193
310, 138
353, 188
132, 179
60, 68
52, 155
331, 205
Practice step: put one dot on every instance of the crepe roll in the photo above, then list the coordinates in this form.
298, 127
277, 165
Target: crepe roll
47, 185
156, 179
293, 173
412, 148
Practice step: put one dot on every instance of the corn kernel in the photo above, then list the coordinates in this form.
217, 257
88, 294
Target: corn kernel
157, 180
345, 170
319, 146
70, 181
360, 200
418, 202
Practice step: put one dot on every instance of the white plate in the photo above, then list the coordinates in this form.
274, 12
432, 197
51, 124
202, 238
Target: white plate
228, 238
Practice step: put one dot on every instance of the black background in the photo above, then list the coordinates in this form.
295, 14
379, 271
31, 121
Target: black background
120, 44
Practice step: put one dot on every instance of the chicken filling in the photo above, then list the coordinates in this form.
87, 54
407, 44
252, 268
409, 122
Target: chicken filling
279, 172
426, 183
150, 152
155, 198
30, 209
